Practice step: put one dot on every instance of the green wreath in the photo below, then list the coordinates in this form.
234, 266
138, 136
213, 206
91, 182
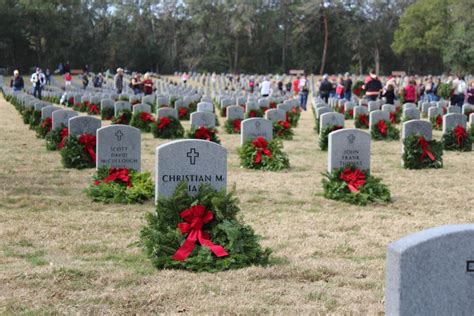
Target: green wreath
205, 133
451, 142
293, 116
437, 122
161, 238
316, 127
390, 131
232, 126
74, 155
140, 190
143, 121
26, 115
415, 157
361, 121
263, 155
371, 191
123, 117
34, 119
254, 113
167, 127
282, 130
357, 89
184, 114
43, 128
54, 138
324, 137
107, 113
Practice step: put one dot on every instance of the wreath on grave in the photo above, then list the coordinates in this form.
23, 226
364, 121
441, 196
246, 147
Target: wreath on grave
79, 152
232, 126
107, 113
172, 103
206, 133
357, 88
123, 117
316, 127
120, 185
468, 112
324, 137
81, 106
361, 121
56, 139
437, 122
457, 139
293, 116
27, 114
193, 106
183, 114
282, 130
420, 153
152, 106
34, 119
254, 113
70, 102
272, 105
124, 98
264, 155
384, 130
395, 117
143, 121
200, 233
349, 115
354, 186
93, 109
167, 127
44, 127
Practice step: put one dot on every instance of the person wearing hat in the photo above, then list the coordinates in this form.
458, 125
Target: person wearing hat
347, 86
373, 86
118, 81
325, 88
38, 81
17, 83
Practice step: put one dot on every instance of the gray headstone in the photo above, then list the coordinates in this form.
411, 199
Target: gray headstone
411, 114
84, 125
321, 111
425, 106
434, 112
350, 146
376, 116
417, 127
431, 272
141, 107
207, 119
195, 161
390, 108
119, 146
331, 118
358, 110
166, 111
40, 105
47, 111
287, 106
450, 121
205, 107
251, 105
275, 115
235, 112
107, 104
122, 105
454, 109
409, 106
61, 117
253, 128
162, 101
373, 106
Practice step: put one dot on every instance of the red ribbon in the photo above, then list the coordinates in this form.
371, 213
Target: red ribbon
236, 125
89, 142
354, 179
47, 123
285, 125
262, 148
203, 133
273, 105
117, 175
164, 121
363, 119
382, 127
182, 112
70, 101
64, 133
439, 121
424, 147
393, 118
343, 109
93, 109
146, 117
194, 219
460, 134
87, 104
252, 113
351, 112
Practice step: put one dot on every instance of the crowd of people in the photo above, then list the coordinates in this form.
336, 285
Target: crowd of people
138, 84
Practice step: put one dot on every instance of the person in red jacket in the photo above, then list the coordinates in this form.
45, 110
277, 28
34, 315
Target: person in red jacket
410, 92
372, 86
296, 86
147, 84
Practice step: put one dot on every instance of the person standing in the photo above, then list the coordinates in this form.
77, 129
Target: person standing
296, 85
136, 84
304, 91
47, 75
325, 88
38, 81
266, 87
147, 84
460, 90
410, 92
17, 83
470, 93
118, 81
67, 79
347, 86
252, 84
85, 80
373, 86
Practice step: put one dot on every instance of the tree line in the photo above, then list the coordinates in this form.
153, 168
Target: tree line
240, 36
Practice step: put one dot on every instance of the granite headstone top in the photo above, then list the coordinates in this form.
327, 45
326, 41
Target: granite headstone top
79, 125
253, 128
206, 119
411, 114
450, 121
61, 118
275, 115
331, 118
350, 146
119, 146
122, 105
194, 161
47, 111
141, 107
431, 272
166, 111
417, 127
376, 116
235, 112
205, 107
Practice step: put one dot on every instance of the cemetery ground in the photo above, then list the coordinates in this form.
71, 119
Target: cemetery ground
62, 253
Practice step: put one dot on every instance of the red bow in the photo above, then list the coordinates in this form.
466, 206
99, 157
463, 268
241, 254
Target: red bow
351, 112
89, 142
79, 105
382, 127
273, 105
64, 133
363, 119
87, 104
252, 114
424, 147
194, 219
70, 101
203, 133
262, 148
284, 124
122, 119
146, 117
47, 123
117, 175
236, 125
354, 179
439, 121
393, 118
93, 109
460, 134
182, 112
164, 121
343, 109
